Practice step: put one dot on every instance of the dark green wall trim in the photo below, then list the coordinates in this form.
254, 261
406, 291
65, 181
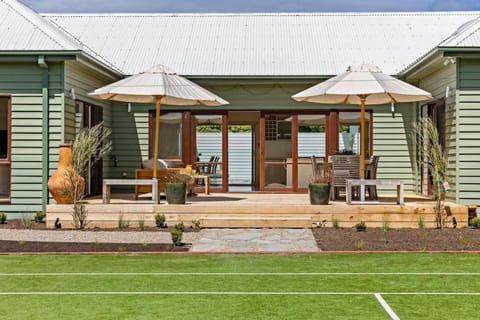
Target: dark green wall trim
45, 111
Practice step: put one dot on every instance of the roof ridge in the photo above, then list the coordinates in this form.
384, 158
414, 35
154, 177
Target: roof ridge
41, 24
213, 14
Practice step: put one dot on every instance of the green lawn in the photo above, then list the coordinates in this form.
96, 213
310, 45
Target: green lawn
322, 286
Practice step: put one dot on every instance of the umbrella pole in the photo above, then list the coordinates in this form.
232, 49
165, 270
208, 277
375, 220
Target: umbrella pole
156, 139
362, 137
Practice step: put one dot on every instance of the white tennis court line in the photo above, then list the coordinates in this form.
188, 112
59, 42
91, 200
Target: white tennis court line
246, 293
241, 274
386, 307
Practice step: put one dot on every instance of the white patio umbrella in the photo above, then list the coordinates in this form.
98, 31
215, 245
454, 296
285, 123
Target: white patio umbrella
159, 85
363, 84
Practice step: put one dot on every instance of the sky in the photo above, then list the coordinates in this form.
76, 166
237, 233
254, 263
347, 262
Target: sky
203, 6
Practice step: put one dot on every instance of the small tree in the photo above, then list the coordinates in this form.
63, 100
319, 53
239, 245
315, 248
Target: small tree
435, 159
90, 145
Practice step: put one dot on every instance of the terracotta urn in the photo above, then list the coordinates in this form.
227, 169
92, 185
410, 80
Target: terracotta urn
59, 181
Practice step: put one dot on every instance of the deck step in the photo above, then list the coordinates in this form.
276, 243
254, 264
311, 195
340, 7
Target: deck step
255, 222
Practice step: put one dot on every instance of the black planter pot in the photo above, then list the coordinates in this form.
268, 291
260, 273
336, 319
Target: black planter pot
176, 193
319, 193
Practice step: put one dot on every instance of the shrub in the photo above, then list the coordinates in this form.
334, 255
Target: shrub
359, 245
179, 226
123, 223
421, 222
361, 226
336, 224
3, 217
434, 158
475, 222
90, 145
160, 220
386, 224
40, 216
141, 223
27, 221
177, 235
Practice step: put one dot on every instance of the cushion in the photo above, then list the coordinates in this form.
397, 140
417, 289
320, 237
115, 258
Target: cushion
148, 164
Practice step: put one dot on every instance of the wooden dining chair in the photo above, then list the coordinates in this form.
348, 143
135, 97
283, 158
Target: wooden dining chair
344, 167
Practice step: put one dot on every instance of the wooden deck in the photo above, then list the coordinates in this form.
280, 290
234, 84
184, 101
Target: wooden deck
258, 210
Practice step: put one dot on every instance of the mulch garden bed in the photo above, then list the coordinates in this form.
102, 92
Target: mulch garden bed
77, 247
418, 240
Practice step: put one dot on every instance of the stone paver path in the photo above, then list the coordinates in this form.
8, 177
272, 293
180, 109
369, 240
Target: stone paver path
255, 240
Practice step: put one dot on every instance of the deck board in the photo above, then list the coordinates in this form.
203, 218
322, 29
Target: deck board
231, 210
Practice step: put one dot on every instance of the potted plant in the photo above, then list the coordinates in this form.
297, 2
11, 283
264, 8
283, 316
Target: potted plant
319, 187
176, 188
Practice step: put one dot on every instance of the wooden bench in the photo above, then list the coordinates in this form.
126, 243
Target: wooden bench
107, 183
373, 182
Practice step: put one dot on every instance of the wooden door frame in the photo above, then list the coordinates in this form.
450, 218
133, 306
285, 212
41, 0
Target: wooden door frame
87, 123
294, 130
7, 162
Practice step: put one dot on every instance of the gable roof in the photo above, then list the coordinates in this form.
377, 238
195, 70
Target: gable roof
467, 35
301, 44
22, 29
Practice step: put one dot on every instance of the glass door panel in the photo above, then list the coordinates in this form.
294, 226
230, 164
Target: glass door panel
278, 157
311, 142
171, 131
209, 140
349, 133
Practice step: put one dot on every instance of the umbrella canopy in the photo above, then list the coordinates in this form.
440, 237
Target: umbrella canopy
364, 84
158, 85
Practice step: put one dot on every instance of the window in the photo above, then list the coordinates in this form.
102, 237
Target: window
170, 142
5, 129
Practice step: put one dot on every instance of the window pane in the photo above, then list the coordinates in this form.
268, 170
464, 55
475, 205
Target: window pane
170, 142
311, 142
278, 150
349, 132
3, 128
5, 181
209, 147
5, 170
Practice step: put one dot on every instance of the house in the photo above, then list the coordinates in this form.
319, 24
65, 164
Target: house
49, 63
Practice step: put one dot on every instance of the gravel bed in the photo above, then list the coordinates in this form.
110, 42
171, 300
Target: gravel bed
92, 236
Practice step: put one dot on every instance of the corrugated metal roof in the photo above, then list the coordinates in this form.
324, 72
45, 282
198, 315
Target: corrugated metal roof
23, 29
262, 44
467, 35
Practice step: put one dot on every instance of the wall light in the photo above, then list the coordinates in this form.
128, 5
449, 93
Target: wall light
129, 107
71, 93
392, 107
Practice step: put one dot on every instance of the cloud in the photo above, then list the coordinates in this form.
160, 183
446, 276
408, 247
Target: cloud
158, 6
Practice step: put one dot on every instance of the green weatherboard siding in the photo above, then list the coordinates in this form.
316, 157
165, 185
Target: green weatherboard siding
468, 134
24, 82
